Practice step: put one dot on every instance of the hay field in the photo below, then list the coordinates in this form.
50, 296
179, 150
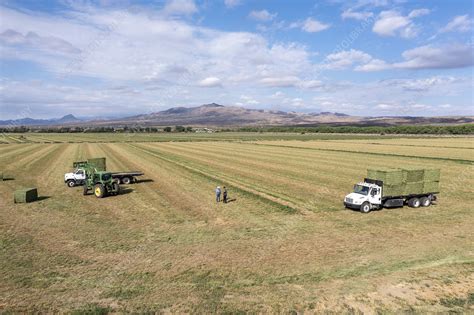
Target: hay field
285, 243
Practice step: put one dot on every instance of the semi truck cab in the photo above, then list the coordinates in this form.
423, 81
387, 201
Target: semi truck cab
364, 197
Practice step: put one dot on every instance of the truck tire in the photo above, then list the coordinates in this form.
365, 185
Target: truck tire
425, 202
365, 207
71, 183
414, 202
99, 191
126, 180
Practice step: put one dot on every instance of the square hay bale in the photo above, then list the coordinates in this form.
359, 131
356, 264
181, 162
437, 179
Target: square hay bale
393, 190
413, 175
389, 176
26, 195
432, 175
414, 188
99, 163
430, 187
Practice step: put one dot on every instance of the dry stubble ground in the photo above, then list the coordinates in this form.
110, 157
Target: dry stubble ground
284, 244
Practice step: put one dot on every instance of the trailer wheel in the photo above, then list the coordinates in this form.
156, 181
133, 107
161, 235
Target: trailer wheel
126, 180
365, 207
71, 183
99, 191
425, 202
414, 202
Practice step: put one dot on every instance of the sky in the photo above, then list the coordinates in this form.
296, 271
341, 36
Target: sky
120, 58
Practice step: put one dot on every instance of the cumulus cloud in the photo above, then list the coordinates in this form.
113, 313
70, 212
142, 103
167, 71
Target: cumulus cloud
262, 16
232, 3
430, 57
460, 23
392, 23
311, 25
180, 7
349, 58
210, 82
288, 81
350, 14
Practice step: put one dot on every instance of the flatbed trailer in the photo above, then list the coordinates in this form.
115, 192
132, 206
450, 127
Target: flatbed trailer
78, 177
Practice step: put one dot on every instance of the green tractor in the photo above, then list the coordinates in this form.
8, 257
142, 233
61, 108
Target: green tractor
101, 183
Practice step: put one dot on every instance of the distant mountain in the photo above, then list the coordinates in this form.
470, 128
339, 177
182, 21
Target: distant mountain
68, 119
215, 115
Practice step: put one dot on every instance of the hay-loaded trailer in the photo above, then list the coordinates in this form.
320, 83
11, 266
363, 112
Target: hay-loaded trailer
390, 188
78, 176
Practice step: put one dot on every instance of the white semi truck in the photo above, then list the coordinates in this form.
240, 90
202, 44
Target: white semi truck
369, 195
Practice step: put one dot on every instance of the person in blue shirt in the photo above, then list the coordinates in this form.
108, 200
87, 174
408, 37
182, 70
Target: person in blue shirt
218, 194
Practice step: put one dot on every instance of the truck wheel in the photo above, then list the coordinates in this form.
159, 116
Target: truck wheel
414, 202
85, 191
115, 188
126, 180
71, 183
99, 191
365, 207
425, 202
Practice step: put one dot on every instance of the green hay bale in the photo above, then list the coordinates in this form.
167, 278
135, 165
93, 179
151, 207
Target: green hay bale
99, 163
432, 175
414, 188
393, 190
430, 187
389, 176
413, 175
26, 195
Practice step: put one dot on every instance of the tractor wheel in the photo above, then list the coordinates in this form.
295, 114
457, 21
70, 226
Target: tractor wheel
115, 188
126, 180
365, 207
414, 202
71, 183
425, 202
85, 191
99, 191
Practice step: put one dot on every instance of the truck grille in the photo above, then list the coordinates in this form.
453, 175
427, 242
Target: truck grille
349, 200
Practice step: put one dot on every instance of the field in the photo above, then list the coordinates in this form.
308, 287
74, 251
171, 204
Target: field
284, 243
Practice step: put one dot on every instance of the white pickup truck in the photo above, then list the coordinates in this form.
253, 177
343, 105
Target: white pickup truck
78, 177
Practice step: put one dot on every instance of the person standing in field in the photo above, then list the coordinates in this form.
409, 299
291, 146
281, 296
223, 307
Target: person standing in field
224, 199
218, 194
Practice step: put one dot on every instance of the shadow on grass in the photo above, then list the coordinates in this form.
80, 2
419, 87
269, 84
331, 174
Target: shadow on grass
124, 191
147, 180
231, 200
43, 198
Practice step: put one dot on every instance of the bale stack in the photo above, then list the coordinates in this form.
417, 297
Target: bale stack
26, 195
406, 181
99, 163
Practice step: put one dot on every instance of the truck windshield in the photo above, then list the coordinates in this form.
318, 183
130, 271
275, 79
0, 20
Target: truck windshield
363, 190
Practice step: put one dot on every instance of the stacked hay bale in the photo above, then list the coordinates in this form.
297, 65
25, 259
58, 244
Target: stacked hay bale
406, 181
99, 163
26, 195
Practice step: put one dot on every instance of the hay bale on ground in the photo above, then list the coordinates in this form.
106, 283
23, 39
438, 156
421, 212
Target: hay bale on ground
26, 195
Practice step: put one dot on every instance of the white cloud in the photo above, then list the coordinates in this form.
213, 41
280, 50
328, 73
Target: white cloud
232, 3
430, 57
288, 81
345, 59
180, 7
311, 25
248, 100
262, 16
350, 14
424, 84
392, 23
32, 40
210, 82
373, 65
460, 23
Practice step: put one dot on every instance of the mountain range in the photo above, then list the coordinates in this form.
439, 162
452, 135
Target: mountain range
215, 115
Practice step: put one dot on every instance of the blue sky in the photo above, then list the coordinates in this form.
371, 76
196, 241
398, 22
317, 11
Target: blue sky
117, 58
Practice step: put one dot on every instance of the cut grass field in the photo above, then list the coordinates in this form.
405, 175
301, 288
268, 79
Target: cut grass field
284, 244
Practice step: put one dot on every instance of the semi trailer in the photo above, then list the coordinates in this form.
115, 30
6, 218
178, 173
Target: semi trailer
390, 188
